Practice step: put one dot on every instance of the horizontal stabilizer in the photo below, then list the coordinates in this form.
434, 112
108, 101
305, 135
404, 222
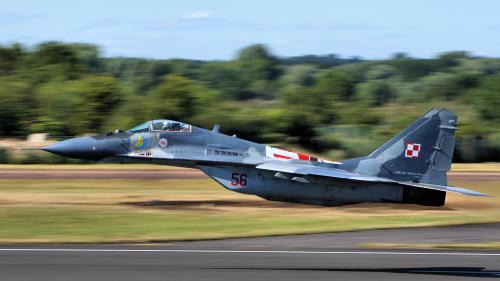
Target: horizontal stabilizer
453, 189
311, 170
465, 191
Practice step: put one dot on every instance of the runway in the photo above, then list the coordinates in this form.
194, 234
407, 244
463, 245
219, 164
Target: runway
296, 257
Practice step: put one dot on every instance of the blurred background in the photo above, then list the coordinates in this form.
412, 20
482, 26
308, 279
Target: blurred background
331, 78
337, 79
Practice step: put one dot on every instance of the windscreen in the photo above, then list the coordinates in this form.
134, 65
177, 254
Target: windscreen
144, 127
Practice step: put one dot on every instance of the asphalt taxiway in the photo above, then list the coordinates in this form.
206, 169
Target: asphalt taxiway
331, 256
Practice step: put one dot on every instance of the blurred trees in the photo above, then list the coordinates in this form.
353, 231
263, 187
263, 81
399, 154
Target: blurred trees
173, 98
96, 98
226, 78
259, 69
335, 85
486, 98
376, 92
77, 106
257, 64
337, 106
15, 107
9, 58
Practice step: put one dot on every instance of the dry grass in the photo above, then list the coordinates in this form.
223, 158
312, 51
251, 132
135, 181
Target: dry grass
87, 167
479, 167
84, 210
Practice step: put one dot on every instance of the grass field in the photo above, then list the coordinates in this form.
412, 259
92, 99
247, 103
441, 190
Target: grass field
85, 210
86, 166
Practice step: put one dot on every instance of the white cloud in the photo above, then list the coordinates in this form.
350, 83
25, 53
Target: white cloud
199, 15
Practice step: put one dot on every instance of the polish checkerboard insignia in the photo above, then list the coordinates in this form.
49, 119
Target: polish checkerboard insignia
412, 150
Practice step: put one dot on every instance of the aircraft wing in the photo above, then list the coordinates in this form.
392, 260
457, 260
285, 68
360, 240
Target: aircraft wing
300, 170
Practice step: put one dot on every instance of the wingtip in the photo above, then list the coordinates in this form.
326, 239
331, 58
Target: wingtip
465, 191
479, 194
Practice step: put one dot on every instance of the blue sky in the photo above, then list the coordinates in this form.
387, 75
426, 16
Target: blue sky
217, 29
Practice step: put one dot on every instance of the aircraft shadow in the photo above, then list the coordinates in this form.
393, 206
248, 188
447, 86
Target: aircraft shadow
210, 203
354, 207
475, 272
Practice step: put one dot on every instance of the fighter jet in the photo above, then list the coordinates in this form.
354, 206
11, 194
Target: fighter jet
409, 168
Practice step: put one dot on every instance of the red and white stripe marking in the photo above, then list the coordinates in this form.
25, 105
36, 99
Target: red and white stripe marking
281, 154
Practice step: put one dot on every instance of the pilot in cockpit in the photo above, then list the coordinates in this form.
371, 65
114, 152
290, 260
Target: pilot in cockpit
171, 126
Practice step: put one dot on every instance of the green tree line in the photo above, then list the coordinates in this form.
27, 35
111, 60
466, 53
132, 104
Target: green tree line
327, 104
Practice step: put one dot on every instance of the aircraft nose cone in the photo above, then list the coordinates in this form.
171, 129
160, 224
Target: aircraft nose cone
82, 148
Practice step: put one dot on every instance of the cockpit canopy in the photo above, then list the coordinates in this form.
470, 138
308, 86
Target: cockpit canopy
161, 125
144, 127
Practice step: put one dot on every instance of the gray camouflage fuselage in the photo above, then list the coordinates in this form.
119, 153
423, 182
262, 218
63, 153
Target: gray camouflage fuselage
389, 174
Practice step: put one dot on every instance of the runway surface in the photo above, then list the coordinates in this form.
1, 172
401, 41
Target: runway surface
297, 257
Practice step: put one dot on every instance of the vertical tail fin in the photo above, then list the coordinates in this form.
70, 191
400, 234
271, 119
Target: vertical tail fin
421, 153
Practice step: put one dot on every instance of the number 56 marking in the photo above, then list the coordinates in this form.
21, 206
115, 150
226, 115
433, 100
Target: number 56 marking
239, 179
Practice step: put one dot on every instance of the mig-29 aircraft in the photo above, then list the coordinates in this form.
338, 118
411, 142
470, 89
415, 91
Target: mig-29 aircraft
410, 168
